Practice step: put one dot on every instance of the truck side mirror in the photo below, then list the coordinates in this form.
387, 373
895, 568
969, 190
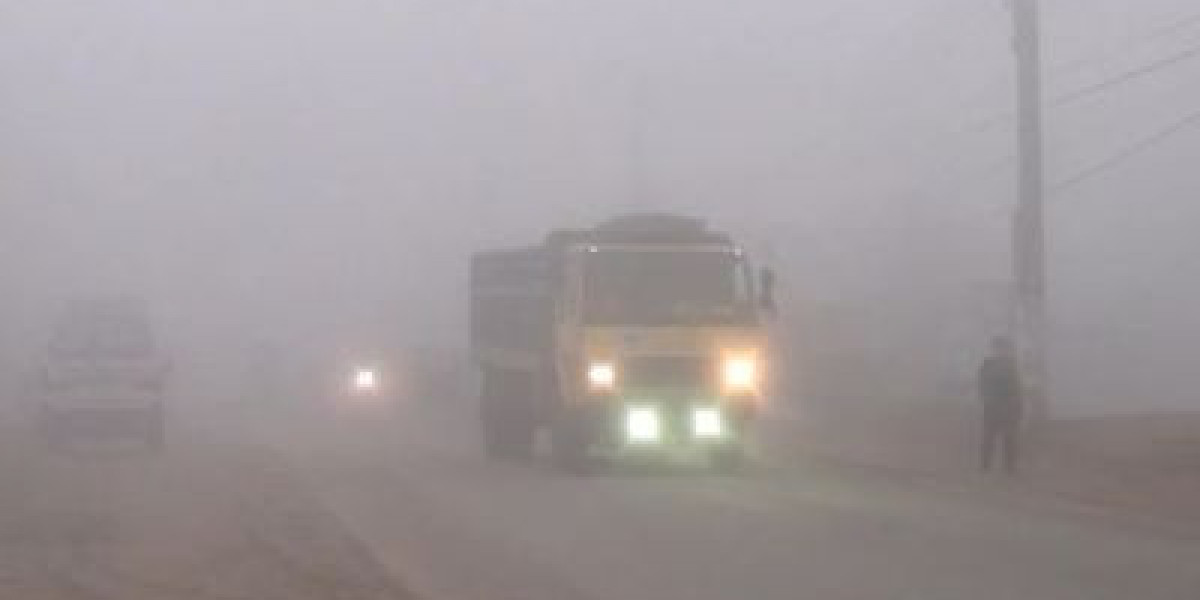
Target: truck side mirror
766, 291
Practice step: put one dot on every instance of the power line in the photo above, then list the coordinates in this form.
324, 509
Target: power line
1064, 185
1129, 152
1095, 88
1151, 35
1171, 28
1126, 77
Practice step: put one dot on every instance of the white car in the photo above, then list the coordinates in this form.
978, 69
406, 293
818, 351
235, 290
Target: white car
103, 373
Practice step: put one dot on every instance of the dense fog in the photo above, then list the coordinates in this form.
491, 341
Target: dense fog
314, 174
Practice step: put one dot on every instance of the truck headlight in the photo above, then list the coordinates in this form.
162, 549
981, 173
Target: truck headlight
602, 376
642, 425
740, 373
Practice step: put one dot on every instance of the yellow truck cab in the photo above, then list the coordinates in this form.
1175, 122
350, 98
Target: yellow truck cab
640, 335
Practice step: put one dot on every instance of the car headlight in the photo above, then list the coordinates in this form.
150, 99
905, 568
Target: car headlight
740, 373
602, 376
366, 380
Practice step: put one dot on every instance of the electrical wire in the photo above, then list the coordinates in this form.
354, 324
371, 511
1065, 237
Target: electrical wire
1126, 77
1151, 35
1077, 95
1129, 152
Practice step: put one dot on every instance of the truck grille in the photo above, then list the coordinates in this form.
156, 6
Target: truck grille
674, 372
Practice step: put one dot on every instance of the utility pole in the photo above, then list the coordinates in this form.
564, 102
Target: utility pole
1029, 233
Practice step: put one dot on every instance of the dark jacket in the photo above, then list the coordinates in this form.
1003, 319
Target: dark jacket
1000, 388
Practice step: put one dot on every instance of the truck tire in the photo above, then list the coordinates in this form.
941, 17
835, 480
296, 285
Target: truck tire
507, 416
52, 429
493, 438
155, 433
731, 456
570, 442
728, 458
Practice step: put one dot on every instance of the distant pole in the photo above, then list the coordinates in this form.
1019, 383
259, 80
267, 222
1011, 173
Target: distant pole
1029, 233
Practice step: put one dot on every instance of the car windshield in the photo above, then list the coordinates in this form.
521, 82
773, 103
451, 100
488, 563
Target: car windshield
647, 286
108, 337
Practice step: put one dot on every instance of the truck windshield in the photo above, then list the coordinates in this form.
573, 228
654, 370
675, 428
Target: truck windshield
665, 287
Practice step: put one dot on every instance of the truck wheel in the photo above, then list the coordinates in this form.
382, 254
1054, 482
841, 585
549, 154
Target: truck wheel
522, 428
728, 458
570, 444
493, 442
489, 414
507, 417
52, 429
156, 429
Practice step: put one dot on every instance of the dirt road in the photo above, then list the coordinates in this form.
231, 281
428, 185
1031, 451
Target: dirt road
416, 489
345, 504
212, 518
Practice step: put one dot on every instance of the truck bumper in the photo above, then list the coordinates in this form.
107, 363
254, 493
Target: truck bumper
640, 427
109, 419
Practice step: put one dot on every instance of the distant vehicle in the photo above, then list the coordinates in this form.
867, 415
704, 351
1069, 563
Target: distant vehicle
103, 371
364, 376
365, 381
641, 335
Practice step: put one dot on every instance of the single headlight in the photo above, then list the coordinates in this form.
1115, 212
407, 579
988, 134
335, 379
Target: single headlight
740, 373
366, 380
602, 376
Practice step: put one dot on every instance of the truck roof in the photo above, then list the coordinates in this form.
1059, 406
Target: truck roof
641, 228
635, 228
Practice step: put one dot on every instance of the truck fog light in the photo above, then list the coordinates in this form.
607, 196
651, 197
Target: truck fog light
708, 423
642, 425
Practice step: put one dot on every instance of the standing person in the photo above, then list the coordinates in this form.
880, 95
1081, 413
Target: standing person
1002, 393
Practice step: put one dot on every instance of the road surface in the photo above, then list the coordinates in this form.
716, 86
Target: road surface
412, 485
214, 517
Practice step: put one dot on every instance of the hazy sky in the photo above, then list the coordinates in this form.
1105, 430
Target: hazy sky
304, 165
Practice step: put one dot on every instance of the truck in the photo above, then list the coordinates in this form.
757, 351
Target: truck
103, 371
642, 335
